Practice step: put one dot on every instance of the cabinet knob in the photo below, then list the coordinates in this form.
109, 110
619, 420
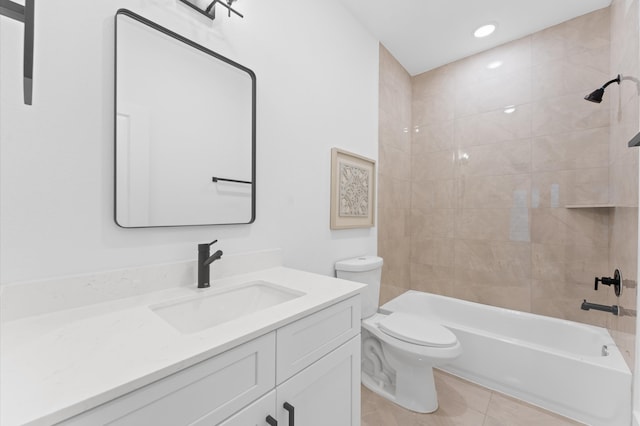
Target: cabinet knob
291, 411
271, 421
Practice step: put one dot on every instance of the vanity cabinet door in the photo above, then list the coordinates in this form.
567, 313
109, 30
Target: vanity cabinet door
256, 413
325, 393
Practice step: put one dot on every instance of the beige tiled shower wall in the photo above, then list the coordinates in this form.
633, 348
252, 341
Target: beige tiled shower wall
623, 167
394, 180
476, 206
506, 237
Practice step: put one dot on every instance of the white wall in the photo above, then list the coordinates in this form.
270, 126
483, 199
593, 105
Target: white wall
317, 75
636, 376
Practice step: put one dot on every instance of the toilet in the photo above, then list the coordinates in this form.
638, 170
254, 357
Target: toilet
399, 350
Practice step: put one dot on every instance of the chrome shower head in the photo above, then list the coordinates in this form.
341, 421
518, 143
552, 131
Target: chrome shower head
596, 95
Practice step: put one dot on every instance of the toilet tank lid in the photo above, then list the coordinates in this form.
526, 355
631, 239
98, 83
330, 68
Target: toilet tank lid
359, 264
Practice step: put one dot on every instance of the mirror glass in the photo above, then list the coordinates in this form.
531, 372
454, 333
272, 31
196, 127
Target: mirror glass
184, 131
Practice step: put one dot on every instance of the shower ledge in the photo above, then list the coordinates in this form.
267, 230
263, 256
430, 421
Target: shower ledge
588, 206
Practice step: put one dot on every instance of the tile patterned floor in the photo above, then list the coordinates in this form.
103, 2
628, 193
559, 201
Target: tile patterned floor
460, 404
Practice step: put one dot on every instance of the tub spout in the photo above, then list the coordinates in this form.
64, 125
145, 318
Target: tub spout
587, 305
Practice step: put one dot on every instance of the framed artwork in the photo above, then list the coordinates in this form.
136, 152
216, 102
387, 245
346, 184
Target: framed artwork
353, 180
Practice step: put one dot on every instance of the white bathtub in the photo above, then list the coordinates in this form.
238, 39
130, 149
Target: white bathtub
555, 364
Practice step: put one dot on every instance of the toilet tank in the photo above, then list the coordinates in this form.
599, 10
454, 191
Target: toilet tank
366, 270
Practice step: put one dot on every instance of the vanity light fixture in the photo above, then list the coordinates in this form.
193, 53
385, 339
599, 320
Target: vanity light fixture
210, 11
596, 95
484, 30
24, 14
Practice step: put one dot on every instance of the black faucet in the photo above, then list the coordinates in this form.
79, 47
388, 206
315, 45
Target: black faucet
204, 260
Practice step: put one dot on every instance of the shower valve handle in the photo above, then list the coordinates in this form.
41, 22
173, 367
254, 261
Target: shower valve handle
615, 282
604, 280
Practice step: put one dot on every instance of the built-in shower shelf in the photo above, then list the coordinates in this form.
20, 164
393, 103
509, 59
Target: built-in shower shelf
588, 206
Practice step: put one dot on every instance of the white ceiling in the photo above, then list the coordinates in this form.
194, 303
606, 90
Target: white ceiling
425, 34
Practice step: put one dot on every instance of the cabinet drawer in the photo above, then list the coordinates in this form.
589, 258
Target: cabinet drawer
205, 393
305, 341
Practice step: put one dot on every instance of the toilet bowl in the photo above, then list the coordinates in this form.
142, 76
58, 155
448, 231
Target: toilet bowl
410, 347
399, 350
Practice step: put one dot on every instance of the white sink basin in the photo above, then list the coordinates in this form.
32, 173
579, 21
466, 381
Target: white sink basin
213, 308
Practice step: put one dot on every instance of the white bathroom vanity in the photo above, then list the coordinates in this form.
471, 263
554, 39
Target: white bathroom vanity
293, 355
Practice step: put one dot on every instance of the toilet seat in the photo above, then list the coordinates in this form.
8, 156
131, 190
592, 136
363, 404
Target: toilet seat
417, 330
434, 353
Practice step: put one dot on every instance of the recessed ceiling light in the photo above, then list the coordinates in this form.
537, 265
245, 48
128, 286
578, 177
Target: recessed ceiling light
493, 65
509, 109
484, 30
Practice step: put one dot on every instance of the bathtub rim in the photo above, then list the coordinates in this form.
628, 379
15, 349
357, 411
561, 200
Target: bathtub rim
614, 361
614, 367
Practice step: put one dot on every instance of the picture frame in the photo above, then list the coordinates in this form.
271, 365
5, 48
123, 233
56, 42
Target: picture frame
353, 190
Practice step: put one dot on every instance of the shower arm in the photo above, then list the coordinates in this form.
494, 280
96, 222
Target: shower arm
615, 80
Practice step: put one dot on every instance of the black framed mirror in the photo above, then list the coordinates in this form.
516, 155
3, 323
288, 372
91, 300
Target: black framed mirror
185, 130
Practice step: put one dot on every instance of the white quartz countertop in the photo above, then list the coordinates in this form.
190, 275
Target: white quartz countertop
60, 364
